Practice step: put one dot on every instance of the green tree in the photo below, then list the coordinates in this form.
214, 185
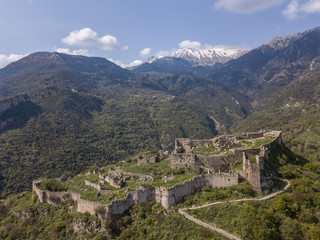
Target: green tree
291, 229
286, 205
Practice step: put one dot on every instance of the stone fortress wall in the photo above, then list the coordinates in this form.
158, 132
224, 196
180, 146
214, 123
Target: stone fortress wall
94, 185
118, 172
168, 196
184, 156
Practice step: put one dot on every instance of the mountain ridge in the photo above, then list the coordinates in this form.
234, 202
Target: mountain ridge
202, 57
270, 66
196, 62
207, 57
90, 111
94, 111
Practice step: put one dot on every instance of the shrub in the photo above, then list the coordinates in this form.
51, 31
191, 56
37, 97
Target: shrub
314, 232
126, 220
34, 198
291, 229
286, 205
245, 188
3, 211
254, 203
314, 167
66, 175
59, 226
52, 185
101, 212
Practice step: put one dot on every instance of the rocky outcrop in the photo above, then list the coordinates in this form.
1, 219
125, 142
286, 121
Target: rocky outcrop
13, 101
7, 119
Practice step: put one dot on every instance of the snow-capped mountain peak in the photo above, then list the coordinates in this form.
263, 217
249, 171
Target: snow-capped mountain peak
208, 57
153, 58
203, 57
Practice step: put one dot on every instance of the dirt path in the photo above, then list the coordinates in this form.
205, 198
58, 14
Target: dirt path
219, 230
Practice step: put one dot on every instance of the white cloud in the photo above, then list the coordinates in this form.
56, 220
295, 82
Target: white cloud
189, 44
244, 46
144, 52
163, 53
83, 52
119, 63
246, 6
87, 37
6, 59
135, 63
125, 48
297, 8
132, 64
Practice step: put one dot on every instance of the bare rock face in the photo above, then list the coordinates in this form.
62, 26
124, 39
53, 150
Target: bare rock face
8, 104
13, 101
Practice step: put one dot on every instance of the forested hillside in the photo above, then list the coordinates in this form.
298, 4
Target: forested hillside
88, 111
80, 112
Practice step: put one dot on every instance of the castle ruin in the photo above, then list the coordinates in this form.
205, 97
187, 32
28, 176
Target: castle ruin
184, 155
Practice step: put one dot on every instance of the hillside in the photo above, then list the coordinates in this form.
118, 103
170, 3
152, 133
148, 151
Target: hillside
61, 114
90, 111
294, 110
272, 66
289, 215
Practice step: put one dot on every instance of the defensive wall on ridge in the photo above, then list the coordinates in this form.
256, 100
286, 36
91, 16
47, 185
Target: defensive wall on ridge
168, 196
184, 156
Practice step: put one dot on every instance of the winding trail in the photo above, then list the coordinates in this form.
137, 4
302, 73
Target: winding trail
219, 230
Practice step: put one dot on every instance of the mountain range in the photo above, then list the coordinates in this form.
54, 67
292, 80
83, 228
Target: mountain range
191, 61
203, 57
274, 65
87, 110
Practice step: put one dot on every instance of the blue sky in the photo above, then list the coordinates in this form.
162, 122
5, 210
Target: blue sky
128, 31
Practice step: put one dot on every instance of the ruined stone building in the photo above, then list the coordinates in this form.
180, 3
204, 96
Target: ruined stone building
184, 155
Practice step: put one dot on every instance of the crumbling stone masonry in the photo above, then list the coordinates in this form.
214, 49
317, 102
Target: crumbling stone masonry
168, 196
184, 156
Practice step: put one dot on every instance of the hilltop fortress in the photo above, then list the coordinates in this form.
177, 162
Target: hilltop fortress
185, 154
250, 150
